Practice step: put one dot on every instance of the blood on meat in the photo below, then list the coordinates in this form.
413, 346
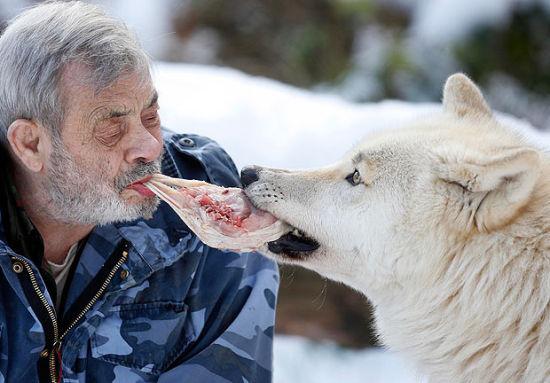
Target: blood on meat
218, 210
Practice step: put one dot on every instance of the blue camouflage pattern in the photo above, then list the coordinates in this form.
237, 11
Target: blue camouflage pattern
176, 311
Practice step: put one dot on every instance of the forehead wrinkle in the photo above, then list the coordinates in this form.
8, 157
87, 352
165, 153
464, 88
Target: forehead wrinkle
122, 91
104, 112
107, 111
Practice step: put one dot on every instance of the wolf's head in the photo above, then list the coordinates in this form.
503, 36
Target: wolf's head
404, 198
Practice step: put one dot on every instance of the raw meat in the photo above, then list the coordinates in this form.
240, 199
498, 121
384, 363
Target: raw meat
221, 217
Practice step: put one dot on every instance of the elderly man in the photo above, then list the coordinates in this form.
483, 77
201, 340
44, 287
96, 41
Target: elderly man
99, 283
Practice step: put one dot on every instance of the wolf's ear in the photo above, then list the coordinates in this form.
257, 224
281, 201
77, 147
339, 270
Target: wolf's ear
462, 97
495, 188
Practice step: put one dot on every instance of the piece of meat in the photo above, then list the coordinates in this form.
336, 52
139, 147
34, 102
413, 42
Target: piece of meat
221, 217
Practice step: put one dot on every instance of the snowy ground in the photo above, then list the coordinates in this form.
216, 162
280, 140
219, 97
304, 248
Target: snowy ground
299, 360
264, 122
260, 121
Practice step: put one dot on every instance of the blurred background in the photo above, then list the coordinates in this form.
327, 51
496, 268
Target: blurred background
362, 51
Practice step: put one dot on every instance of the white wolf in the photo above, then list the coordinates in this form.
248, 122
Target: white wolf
445, 227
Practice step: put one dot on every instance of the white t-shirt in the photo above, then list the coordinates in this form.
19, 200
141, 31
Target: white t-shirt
61, 271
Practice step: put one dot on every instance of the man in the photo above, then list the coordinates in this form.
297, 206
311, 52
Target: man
99, 283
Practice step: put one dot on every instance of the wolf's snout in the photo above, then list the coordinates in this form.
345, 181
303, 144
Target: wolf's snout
249, 175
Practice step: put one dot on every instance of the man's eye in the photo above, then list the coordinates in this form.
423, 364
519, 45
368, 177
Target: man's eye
151, 121
109, 139
109, 133
354, 178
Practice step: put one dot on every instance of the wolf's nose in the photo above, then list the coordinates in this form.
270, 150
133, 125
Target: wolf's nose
249, 175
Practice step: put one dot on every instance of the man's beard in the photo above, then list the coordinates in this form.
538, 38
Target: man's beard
85, 196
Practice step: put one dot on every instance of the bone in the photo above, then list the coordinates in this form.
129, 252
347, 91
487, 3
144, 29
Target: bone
259, 228
178, 182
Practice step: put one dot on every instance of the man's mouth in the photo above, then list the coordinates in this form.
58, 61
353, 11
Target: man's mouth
139, 186
294, 244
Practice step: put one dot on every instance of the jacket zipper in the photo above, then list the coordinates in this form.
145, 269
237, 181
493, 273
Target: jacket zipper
51, 314
56, 347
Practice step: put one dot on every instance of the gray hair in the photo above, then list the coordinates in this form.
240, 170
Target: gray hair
36, 46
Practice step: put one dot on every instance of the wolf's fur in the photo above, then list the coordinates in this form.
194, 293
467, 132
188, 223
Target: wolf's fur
448, 234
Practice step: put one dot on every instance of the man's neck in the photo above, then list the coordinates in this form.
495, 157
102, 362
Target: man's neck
58, 237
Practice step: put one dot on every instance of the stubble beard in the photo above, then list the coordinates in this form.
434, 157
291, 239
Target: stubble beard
81, 195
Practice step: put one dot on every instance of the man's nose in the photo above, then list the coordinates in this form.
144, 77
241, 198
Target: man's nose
144, 147
249, 174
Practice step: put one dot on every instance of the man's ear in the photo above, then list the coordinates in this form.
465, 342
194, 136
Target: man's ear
494, 189
27, 141
463, 98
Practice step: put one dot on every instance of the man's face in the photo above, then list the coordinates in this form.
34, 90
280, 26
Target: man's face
108, 140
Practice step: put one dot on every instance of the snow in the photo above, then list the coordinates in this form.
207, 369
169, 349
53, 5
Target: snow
264, 122
261, 121
300, 360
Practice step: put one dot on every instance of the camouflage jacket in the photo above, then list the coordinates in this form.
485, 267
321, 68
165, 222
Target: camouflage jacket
146, 300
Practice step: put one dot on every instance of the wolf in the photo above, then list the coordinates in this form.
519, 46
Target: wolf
444, 225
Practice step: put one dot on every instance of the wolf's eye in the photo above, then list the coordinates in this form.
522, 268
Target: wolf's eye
354, 178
